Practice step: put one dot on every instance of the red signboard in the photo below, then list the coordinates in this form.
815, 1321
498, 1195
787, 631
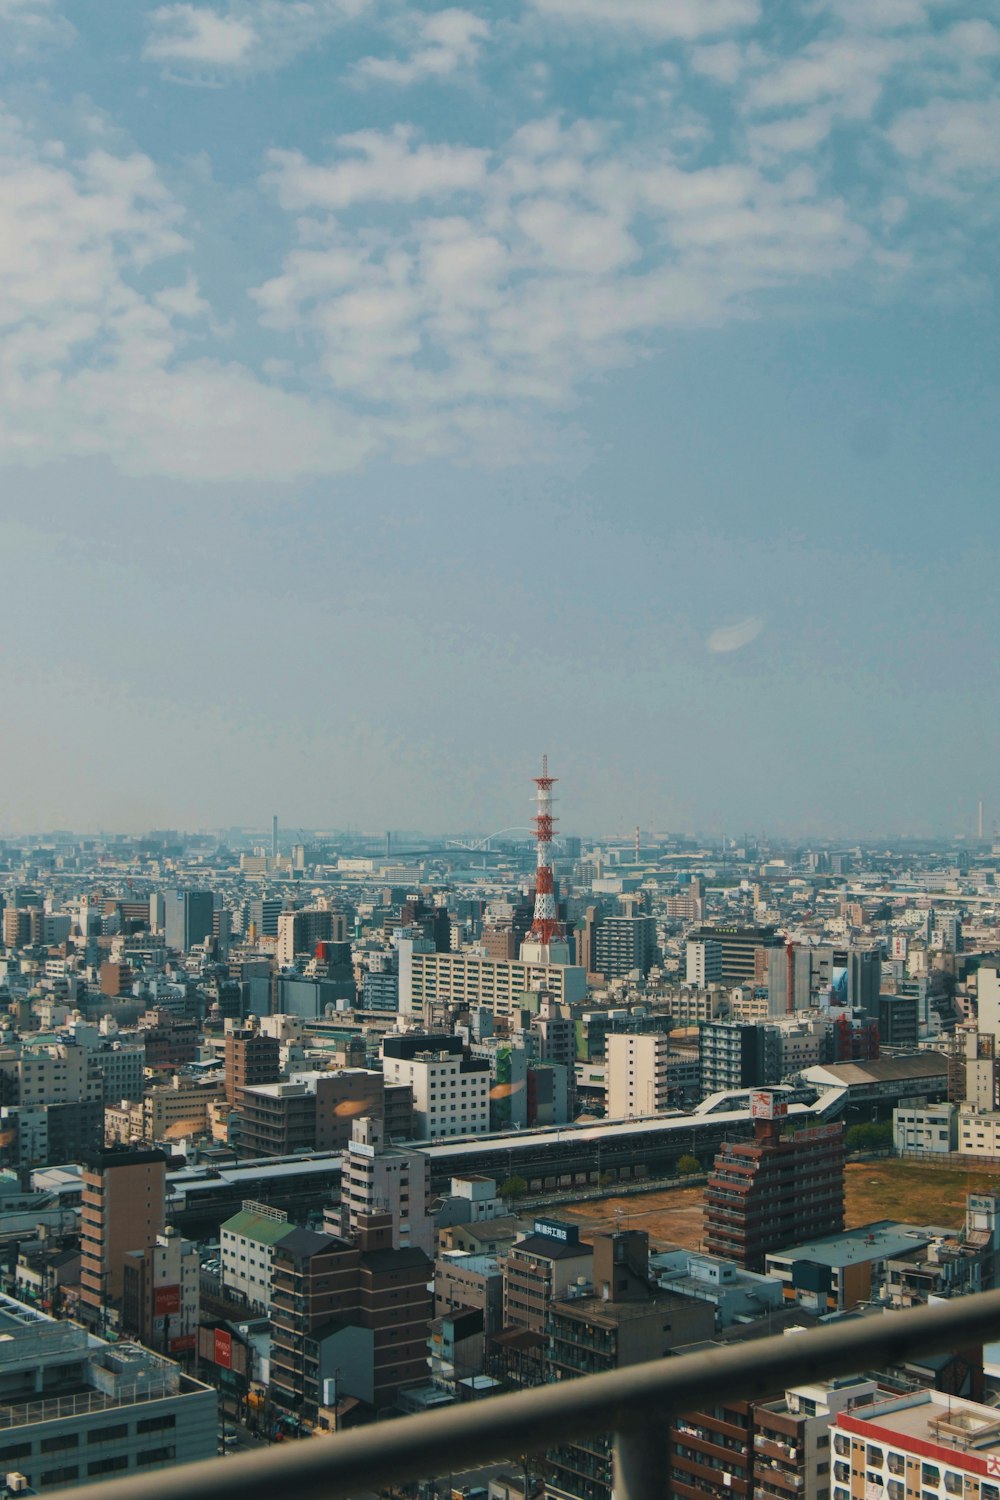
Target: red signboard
166, 1301
183, 1344
223, 1348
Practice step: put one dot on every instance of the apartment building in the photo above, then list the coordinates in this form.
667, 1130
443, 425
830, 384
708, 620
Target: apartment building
451, 1094
122, 1209
923, 1443
627, 1321
638, 1076
251, 1058
463, 980
247, 1244
358, 1311
379, 1178
542, 1267
774, 1191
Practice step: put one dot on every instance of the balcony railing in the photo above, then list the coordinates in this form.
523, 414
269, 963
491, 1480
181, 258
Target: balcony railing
635, 1404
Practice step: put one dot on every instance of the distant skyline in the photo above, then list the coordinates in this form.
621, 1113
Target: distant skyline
393, 391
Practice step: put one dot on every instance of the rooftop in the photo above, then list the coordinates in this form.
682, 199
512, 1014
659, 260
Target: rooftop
932, 1417
876, 1241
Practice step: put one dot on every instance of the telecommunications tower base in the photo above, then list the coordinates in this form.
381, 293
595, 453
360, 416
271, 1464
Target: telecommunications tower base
546, 942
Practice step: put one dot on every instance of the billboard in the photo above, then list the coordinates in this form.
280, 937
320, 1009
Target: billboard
182, 1345
166, 1301
223, 1353
767, 1106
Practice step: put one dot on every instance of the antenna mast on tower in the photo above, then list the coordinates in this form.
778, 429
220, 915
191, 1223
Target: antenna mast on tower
545, 927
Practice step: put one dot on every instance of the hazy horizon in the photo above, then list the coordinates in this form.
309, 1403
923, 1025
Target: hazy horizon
394, 393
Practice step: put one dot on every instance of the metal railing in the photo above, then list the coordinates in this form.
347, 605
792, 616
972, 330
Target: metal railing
635, 1404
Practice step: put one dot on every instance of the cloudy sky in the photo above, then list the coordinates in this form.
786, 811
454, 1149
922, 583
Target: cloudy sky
391, 391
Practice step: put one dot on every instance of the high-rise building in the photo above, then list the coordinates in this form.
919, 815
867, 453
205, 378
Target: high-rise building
123, 1208
380, 1179
703, 962
451, 1094
738, 1055
638, 1074
250, 1058
188, 918
775, 1190
356, 1313
864, 979
744, 950
623, 944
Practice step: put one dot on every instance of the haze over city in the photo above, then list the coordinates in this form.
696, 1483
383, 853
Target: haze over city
391, 391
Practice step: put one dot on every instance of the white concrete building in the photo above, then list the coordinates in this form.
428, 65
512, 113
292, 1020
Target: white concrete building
453, 978
247, 1242
376, 1178
638, 1074
929, 1128
451, 1096
978, 1131
703, 963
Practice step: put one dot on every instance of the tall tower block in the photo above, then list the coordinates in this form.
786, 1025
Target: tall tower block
546, 942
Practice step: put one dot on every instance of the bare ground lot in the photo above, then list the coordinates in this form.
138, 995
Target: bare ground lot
915, 1192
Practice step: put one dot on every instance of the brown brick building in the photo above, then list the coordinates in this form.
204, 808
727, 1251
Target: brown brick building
357, 1311
122, 1209
774, 1191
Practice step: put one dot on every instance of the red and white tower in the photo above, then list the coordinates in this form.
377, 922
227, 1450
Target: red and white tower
545, 926
546, 943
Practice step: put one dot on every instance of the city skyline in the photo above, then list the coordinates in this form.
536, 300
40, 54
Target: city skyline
397, 389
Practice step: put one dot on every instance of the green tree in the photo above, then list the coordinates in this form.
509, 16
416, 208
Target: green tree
514, 1187
688, 1165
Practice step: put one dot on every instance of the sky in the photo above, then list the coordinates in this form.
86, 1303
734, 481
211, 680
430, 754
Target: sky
391, 392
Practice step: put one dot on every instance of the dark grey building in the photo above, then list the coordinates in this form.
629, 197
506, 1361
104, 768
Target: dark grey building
621, 944
187, 918
736, 1055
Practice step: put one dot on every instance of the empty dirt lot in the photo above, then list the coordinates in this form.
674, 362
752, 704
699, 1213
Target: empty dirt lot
915, 1192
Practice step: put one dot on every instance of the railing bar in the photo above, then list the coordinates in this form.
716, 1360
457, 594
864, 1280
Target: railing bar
642, 1463
532, 1421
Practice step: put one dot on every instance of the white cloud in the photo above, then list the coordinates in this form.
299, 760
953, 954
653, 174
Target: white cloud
535, 266
89, 364
723, 62
26, 24
446, 41
198, 43
951, 137
735, 637
376, 166
183, 33
669, 18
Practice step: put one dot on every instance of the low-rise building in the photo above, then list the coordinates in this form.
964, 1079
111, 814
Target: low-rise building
77, 1411
930, 1129
247, 1243
922, 1443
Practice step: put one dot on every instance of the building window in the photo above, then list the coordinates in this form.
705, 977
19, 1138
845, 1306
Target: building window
60, 1441
108, 1434
67, 1475
155, 1424
155, 1456
108, 1465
